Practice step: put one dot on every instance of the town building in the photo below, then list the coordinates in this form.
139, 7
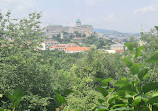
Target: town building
76, 49
62, 47
78, 39
118, 47
110, 51
47, 44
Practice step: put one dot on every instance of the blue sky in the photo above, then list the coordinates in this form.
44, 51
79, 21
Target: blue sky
120, 15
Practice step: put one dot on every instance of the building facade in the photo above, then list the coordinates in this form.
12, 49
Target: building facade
54, 30
118, 47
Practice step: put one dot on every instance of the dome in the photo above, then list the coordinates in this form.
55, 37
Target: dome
78, 21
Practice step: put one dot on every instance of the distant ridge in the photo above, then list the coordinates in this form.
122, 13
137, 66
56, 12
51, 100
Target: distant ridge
116, 33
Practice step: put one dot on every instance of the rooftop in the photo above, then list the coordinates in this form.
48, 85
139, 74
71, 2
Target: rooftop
77, 49
79, 38
78, 21
117, 45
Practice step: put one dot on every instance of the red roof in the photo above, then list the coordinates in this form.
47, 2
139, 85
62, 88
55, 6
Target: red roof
79, 38
77, 49
53, 47
119, 50
61, 45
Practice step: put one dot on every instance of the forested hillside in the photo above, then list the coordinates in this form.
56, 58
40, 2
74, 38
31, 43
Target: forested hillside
35, 80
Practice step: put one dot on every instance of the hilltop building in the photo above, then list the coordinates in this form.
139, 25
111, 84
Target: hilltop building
54, 30
78, 23
78, 39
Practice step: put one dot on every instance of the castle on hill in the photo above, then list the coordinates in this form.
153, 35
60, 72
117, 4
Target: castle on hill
54, 30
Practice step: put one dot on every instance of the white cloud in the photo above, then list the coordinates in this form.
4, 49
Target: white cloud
151, 8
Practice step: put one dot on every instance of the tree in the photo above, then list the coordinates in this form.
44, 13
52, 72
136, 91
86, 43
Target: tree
21, 62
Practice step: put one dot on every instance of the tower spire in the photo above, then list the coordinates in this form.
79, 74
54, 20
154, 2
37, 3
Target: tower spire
141, 28
141, 32
78, 22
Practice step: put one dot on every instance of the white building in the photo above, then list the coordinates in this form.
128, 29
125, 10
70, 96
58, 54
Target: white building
47, 44
118, 47
110, 51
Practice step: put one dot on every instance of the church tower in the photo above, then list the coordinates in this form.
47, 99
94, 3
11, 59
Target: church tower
78, 22
141, 32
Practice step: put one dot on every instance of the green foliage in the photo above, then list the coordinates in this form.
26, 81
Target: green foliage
153, 100
153, 58
129, 46
142, 73
147, 87
156, 27
23, 66
134, 69
103, 91
15, 97
135, 93
99, 43
60, 100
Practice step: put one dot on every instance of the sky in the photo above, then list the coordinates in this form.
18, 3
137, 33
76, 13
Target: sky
119, 15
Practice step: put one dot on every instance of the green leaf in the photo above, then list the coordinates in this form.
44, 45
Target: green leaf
105, 81
101, 101
129, 46
153, 100
4, 109
1, 95
134, 69
67, 92
129, 89
103, 91
121, 93
98, 80
111, 100
153, 58
119, 105
142, 73
60, 99
111, 89
128, 62
103, 109
136, 102
138, 51
15, 98
9, 96
146, 76
150, 86
121, 83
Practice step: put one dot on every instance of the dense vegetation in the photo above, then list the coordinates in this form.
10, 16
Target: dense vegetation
35, 80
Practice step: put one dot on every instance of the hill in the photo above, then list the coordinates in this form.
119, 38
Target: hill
113, 33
